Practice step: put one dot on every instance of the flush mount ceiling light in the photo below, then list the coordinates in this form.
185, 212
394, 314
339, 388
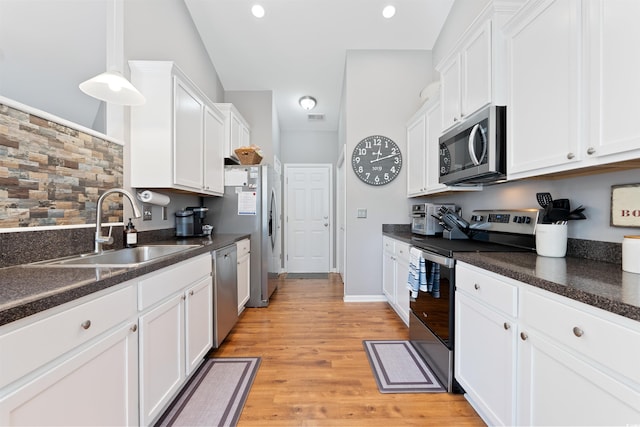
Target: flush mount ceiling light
257, 11
111, 86
389, 11
307, 102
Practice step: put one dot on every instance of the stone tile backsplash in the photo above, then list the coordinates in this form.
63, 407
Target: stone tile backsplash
51, 174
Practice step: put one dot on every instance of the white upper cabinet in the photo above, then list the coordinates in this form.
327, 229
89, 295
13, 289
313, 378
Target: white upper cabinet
573, 86
472, 74
544, 83
614, 84
237, 130
177, 136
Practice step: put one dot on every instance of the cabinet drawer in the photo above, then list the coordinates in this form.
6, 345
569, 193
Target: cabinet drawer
597, 335
27, 348
159, 285
402, 251
488, 289
388, 245
243, 247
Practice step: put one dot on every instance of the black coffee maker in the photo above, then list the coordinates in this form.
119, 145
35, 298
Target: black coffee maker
199, 215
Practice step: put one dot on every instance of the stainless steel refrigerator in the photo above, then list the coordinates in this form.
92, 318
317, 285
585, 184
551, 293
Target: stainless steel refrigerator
251, 204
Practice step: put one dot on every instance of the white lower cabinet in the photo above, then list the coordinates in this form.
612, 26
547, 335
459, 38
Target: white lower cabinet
175, 333
244, 272
75, 364
526, 356
395, 271
96, 386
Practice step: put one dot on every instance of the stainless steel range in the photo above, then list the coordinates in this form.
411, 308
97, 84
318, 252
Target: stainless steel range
431, 323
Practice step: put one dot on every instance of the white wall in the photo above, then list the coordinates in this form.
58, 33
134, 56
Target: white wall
381, 94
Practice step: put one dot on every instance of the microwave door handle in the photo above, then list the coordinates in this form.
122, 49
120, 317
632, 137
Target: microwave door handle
472, 150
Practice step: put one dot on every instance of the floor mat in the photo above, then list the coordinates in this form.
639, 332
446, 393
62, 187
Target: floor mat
307, 275
215, 395
398, 368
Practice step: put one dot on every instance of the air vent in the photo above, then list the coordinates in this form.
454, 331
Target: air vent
318, 117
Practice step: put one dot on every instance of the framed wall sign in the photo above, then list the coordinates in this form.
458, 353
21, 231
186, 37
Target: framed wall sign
625, 205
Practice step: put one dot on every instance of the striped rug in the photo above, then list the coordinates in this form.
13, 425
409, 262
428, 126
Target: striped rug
398, 368
215, 395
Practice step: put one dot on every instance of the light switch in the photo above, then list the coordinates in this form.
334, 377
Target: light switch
362, 213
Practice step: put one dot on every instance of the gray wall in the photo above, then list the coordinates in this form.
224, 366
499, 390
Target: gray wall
257, 109
381, 94
309, 147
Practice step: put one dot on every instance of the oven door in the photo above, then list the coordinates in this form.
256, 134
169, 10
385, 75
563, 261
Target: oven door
435, 309
431, 322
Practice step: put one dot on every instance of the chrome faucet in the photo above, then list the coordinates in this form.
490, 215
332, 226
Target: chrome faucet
100, 239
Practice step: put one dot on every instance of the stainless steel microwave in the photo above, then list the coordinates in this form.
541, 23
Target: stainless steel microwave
474, 152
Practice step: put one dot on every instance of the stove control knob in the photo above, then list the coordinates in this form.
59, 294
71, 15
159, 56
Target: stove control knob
527, 220
477, 218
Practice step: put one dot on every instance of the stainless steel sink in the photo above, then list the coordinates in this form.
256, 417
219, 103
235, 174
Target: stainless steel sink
128, 257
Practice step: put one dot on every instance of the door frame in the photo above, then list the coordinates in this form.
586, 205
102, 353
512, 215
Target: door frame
285, 197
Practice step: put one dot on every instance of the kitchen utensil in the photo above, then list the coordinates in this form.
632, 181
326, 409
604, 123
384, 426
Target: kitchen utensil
562, 204
544, 199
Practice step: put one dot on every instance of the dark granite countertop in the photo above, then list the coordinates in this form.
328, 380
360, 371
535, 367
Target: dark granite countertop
26, 290
599, 284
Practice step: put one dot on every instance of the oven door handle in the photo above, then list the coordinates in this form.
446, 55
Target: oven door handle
438, 259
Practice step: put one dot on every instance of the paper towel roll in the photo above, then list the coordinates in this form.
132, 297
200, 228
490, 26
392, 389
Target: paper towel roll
154, 198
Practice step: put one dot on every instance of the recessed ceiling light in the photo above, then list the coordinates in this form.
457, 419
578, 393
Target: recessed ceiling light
257, 11
389, 11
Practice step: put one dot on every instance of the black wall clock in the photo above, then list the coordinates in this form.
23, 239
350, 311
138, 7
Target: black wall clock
376, 160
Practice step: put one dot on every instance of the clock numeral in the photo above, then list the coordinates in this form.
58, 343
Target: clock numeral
360, 169
386, 176
367, 144
396, 161
357, 160
362, 151
393, 169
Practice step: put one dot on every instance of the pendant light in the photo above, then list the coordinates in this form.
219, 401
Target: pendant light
111, 86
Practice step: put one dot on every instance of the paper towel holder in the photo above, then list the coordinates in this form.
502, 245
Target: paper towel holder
148, 198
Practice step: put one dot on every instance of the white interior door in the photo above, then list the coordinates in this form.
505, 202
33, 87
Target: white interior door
308, 218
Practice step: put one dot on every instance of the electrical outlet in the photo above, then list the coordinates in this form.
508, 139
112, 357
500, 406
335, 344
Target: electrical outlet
146, 212
362, 213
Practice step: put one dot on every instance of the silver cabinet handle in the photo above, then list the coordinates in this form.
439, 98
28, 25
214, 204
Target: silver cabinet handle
570, 156
524, 336
591, 150
578, 332
506, 326
133, 328
476, 286
86, 324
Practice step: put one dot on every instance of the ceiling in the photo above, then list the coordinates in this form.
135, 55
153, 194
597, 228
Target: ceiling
299, 47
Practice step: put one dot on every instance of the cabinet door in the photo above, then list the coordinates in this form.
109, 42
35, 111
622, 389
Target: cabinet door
96, 386
476, 71
485, 359
614, 68
388, 270
213, 151
402, 274
198, 323
432, 149
544, 82
416, 143
236, 133
244, 277
558, 388
188, 146
450, 92
161, 356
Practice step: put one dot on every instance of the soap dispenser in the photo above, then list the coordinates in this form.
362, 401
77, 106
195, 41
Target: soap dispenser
130, 235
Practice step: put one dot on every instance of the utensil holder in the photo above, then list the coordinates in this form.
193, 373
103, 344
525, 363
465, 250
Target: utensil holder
551, 240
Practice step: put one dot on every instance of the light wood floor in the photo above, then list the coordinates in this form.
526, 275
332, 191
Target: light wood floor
314, 370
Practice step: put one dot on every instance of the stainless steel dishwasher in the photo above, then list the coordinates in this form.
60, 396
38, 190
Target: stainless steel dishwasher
225, 292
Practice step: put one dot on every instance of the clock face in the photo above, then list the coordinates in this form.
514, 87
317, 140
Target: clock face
376, 160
